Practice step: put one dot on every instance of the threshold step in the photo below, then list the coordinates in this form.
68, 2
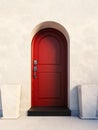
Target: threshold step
49, 111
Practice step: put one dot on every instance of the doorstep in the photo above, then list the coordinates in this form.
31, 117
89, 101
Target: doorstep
49, 111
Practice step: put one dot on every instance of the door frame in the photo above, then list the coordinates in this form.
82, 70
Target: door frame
59, 27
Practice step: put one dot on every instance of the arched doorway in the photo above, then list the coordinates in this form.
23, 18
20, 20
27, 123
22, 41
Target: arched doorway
49, 73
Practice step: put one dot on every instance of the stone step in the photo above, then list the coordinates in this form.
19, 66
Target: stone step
49, 111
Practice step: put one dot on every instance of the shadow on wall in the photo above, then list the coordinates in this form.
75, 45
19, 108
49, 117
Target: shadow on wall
1, 114
97, 106
74, 93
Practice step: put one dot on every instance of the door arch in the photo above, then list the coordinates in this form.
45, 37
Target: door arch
49, 76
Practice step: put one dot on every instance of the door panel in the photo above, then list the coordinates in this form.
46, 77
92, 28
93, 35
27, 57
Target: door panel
49, 50
49, 87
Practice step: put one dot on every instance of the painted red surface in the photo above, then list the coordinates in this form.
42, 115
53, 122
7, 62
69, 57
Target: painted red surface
49, 87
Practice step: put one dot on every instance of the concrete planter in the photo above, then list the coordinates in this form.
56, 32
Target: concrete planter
87, 101
10, 95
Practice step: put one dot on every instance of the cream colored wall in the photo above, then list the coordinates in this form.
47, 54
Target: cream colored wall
17, 20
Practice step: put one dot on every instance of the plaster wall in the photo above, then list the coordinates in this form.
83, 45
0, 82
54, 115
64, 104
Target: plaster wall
18, 18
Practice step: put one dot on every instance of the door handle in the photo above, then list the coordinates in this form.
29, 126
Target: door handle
35, 69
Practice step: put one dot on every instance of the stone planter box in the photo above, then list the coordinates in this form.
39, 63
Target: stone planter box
10, 95
88, 101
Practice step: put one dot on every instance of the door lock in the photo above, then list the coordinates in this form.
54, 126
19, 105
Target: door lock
35, 62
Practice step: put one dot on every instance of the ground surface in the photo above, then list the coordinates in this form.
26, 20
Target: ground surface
48, 123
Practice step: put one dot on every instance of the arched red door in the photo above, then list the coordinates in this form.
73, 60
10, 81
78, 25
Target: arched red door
49, 68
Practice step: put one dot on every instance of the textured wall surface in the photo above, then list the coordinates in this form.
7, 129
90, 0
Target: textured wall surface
17, 20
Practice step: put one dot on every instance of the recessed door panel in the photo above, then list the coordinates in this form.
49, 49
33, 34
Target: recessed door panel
51, 88
49, 50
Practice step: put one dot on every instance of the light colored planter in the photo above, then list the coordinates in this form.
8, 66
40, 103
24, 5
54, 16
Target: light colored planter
0, 105
88, 101
10, 95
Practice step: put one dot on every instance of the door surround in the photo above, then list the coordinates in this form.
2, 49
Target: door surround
59, 27
58, 110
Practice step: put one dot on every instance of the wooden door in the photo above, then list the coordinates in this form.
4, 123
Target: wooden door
49, 76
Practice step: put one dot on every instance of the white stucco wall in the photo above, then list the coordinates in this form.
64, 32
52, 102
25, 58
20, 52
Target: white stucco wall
17, 20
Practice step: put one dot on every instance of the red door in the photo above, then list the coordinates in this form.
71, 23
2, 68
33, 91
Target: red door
49, 76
